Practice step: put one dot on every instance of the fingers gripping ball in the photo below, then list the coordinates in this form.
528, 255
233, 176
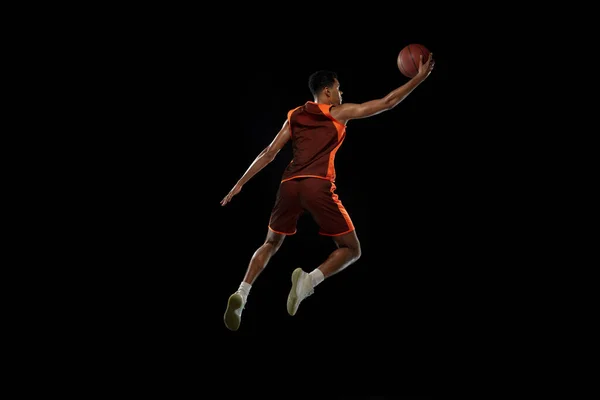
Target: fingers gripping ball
408, 59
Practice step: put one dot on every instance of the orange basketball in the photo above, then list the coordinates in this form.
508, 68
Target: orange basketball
408, 59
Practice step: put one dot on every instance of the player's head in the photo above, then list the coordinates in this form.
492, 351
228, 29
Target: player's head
325, 87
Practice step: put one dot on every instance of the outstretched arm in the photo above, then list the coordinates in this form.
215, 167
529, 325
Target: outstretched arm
348, 111
265, 157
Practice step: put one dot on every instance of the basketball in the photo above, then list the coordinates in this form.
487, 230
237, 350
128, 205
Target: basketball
408, 59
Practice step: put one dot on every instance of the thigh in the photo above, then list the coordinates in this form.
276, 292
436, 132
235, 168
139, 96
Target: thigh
325, 206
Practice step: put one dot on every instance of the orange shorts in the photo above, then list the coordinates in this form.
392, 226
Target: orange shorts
315, 196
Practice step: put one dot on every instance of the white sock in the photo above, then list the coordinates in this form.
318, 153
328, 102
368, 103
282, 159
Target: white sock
244, 289
316, 276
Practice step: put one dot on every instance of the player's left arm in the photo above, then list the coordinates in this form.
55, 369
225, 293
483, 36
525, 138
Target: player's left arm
348, 111
264, 158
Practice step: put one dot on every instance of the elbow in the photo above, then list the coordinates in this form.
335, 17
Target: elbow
391, 103
387, 104
270, 154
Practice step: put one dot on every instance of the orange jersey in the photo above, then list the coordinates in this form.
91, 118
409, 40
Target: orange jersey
316, 137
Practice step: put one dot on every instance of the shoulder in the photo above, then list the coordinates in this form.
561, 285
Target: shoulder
338, 113
291, 111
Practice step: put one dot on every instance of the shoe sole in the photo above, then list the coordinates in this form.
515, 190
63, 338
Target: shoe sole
292, 301
232, 320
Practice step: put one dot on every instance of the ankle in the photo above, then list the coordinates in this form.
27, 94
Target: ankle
244, 290
316, 277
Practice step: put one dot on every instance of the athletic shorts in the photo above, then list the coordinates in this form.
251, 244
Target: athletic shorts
315, 196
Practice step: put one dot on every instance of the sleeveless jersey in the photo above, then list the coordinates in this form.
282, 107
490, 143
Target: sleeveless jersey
316, 137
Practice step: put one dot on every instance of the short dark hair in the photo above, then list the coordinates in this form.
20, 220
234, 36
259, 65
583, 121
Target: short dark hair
319, 80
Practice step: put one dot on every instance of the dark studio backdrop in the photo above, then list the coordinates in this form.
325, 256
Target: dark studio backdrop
415, 181
395, 177
411, 179
408, 177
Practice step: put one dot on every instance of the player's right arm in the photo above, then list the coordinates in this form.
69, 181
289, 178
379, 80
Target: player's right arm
348, 111
262, 160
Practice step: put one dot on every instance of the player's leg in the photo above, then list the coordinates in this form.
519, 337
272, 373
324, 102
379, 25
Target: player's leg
284, 217
348, 252
262, 255
303, 283
259, 260
333, 219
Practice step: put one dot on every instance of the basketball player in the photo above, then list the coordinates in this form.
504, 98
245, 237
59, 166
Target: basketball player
317, 130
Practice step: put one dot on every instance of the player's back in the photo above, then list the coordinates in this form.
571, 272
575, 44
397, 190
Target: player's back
316, 137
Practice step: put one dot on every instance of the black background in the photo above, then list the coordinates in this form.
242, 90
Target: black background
421, 183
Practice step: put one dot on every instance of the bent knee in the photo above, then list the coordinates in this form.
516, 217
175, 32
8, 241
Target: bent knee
357, 252
354, 250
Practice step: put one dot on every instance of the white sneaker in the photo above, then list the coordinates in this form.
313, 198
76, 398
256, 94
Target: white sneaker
233, 314
301, 288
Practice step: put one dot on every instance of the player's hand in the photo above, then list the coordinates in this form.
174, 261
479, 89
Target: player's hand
235, 190
425, 68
